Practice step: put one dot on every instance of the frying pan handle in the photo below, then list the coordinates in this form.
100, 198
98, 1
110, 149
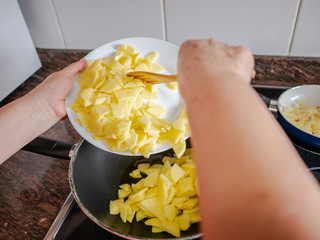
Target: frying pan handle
50, 147
265, 99
271, 104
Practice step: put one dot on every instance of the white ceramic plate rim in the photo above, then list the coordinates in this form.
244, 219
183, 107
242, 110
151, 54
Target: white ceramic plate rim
171, 100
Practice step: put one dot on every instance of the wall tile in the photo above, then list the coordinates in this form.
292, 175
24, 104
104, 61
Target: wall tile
264, 26
90, 24
306, 40
42, 23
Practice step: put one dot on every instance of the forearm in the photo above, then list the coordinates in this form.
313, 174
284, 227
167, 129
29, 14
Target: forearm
26, 118
22, 121
234, 135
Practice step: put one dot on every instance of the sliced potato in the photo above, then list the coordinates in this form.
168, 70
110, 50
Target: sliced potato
165, 197
107, 97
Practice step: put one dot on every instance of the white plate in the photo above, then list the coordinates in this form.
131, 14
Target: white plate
171, 100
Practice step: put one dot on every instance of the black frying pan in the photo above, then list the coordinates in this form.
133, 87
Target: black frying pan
95, 176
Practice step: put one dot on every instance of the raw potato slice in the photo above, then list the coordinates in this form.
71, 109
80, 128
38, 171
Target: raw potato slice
83, 78
144, 121
173, 86
154, 206
171, 227
152, 179
164, 185
170, 211
143, 167
176, 173
114, 206
183, 221
110, 86
152, 56
87, 96
108, 99
139, 215
165, 197
155, 222
126, 48
154, 67
142, 67
136, 174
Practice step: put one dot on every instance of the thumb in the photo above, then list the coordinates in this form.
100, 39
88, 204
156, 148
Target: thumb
75, 67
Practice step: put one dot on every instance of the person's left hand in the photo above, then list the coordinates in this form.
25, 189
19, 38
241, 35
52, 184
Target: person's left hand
55, 88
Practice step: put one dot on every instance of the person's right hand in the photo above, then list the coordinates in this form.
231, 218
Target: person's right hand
212, 58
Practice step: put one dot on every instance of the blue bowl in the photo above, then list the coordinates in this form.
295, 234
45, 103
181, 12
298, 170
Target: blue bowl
308, 94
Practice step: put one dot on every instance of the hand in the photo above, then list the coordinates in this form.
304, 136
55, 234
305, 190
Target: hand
29, 116
227, 141
212, 58
55, 88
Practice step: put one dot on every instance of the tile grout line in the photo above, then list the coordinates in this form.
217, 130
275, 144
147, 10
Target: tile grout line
294, 28
164, 22
60, 29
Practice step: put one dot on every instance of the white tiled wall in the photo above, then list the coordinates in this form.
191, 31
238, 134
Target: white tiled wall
42, 23
264, 26
306, 41
267, 27
89, 24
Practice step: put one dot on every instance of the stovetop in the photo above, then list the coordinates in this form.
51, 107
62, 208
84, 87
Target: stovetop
75, 225
72, 224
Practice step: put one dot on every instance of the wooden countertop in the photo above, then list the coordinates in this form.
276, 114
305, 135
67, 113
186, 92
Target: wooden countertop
33, 187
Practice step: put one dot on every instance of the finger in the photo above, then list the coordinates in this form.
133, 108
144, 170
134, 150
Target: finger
245, 55
75, 67
249, 58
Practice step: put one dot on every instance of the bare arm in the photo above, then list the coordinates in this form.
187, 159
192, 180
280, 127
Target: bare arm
26, 118
253, 184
